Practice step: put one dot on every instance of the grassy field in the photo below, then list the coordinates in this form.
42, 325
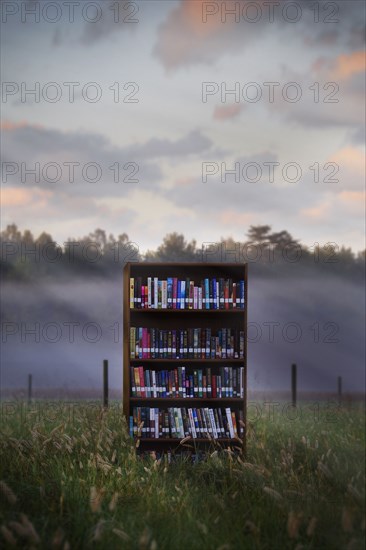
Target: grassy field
71, 479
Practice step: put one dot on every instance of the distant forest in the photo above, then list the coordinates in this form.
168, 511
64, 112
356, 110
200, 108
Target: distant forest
26, 258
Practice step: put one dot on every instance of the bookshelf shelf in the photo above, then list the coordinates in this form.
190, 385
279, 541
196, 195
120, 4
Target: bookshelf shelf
170, 400
186, 361
146, 311
178, 320
190, 440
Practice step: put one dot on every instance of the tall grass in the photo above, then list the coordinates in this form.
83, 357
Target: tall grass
71, 478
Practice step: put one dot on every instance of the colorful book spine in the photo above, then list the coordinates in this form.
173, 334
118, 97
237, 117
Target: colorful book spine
191, 295
226, 294
207, 293
175, 288
230, 422
179, 292
182, 294
132, 382
170, 292
149, 301
242, 296
132, 292
164, 294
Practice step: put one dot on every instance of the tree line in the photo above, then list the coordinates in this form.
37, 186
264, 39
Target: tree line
24, 257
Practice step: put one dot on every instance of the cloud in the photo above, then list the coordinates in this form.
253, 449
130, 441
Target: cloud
191, 144
23, 143
352, 158
346, 69
184, 39
99, 21
233, 206
358, 136
187, 181
330, 95
225, 112
199, 32
8, 125
112, 18
94, 157
49, 204
333, 206
351, 162
57, 38
235, 197
320, 211
22, 197
353, 198
347, 65
231, 217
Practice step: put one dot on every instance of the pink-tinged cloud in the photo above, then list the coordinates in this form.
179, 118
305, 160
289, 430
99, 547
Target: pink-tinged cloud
349, 64
197, 31
352, 202
231, 217
350, 174
225, 112
22, 197
9, 126
186, 181
195, 17
316, 212
189, 35
353, 197
350, 158
343, 67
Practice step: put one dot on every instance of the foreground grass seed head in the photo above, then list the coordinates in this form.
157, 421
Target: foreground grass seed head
7, 492
102, 486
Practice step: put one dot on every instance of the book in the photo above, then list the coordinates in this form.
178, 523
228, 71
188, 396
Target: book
149, 301
156, 292
132, 292
230, 422
164, 294
180, 422
170, 293
173, 293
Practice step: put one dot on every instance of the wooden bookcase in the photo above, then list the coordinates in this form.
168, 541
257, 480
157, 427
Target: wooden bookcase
181, 319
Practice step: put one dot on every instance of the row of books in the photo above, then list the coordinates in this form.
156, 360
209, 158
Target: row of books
191, 343
181, 422
173, 293
187, 383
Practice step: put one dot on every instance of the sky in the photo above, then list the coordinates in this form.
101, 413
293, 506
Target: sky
197, 117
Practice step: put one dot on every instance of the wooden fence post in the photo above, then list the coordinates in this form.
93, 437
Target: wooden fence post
105, 383
29, 389
339, 384
294, 383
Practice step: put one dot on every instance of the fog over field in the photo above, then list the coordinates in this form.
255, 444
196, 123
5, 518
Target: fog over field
315, 321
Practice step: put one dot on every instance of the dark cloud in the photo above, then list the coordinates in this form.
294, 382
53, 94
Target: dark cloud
122, 17
30, 144
192, 144
357, 136
57, 37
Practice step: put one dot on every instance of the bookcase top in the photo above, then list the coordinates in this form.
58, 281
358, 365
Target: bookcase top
188, 264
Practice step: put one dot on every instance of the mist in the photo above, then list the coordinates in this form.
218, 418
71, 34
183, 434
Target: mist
314, 321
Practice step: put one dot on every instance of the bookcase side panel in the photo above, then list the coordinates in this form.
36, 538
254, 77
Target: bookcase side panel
245, 358
126, 341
